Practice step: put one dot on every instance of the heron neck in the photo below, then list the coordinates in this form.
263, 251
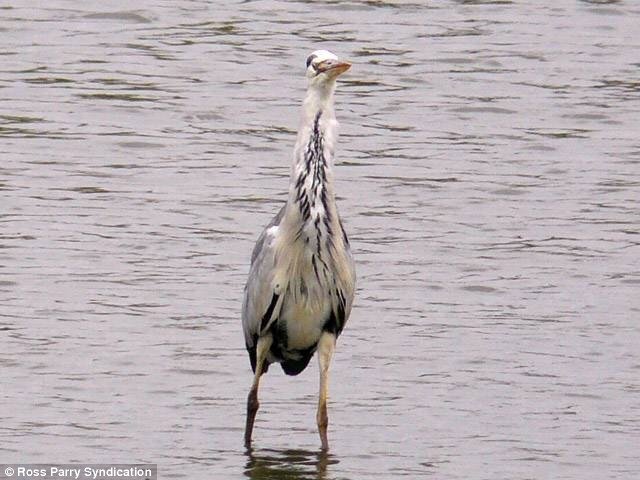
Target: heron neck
319, 98
311, 204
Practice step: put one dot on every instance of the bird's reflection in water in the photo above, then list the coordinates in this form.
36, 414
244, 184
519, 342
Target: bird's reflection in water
288, 464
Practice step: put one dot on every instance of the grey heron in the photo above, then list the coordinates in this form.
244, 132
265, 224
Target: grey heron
302, 278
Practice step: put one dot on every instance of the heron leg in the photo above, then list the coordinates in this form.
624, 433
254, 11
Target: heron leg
326, 346
264, 344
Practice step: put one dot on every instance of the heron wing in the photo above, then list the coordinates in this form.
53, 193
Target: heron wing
345, 287
260, 300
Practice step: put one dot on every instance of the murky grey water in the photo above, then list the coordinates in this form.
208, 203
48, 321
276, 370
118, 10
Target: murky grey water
489, 170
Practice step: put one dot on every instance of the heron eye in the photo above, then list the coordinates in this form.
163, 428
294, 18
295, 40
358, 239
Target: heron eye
310, 59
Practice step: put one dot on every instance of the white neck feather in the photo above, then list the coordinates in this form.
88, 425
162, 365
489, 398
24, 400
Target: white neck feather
319, 100
311, 237
311, 213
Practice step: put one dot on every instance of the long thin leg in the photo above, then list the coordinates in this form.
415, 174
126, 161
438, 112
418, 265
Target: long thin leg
264, 344
326, 346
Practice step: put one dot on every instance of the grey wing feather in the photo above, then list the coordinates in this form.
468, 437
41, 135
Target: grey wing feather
348, 283
258, 292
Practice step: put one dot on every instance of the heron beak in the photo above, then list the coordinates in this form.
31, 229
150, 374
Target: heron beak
333, 68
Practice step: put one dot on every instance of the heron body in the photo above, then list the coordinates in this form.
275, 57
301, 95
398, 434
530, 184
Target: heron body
302, 279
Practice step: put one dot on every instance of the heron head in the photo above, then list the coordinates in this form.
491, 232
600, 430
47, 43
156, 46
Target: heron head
324, 66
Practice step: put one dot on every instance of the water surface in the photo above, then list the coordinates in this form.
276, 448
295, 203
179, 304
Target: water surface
488, 175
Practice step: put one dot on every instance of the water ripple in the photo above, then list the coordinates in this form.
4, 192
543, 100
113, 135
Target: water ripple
487, 173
